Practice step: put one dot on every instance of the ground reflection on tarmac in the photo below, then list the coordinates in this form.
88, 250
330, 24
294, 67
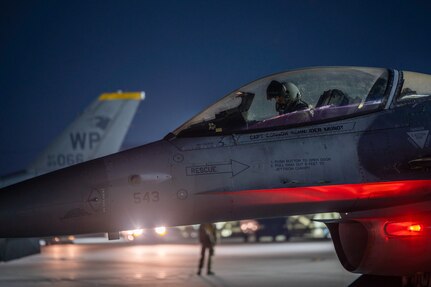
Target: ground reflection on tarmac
266, 264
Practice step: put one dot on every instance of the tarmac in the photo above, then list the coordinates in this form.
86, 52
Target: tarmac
240, 265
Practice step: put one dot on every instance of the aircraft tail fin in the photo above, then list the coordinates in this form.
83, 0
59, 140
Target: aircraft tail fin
98, 131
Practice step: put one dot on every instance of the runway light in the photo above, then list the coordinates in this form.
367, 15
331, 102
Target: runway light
132, 234
160, 230
407, 228
249, 226
226, 233
137, 232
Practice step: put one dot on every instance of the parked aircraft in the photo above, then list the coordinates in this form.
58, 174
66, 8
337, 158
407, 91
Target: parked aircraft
97, 132
333, 139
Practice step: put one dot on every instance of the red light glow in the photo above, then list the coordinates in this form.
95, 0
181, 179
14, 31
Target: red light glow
322, 193
403, 229
416, 227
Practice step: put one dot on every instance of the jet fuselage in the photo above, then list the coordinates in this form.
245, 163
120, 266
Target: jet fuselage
343, 139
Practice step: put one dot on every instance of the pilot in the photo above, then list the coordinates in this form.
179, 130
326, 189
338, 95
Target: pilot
207, 238
287, 96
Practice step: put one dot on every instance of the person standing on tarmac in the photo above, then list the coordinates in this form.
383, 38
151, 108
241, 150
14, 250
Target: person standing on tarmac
207, 238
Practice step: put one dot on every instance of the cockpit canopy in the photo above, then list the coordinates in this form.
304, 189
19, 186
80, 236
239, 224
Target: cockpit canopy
303, 96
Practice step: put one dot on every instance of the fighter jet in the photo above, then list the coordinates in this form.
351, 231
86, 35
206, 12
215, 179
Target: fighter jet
329, 139
97, 132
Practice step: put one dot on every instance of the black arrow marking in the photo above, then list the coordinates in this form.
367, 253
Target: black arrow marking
233, 167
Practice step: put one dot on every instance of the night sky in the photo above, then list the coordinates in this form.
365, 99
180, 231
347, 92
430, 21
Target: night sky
57, 56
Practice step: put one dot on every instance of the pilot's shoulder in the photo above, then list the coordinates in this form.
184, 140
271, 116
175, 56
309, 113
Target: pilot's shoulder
301, 105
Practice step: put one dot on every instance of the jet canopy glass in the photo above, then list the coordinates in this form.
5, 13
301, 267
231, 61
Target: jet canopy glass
293, 98
416, 86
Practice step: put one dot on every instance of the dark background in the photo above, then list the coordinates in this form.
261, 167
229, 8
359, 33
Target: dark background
57, 56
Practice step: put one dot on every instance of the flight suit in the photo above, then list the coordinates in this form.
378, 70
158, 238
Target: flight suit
207, 238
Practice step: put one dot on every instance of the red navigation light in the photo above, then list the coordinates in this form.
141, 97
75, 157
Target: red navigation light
407, 228
416, 227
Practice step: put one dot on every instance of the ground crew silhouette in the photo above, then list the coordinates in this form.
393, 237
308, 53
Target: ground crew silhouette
207, 238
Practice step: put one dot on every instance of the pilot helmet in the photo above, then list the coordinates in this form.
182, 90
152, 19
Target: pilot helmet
287, 90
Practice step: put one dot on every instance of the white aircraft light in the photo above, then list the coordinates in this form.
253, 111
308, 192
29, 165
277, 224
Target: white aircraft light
160, 230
